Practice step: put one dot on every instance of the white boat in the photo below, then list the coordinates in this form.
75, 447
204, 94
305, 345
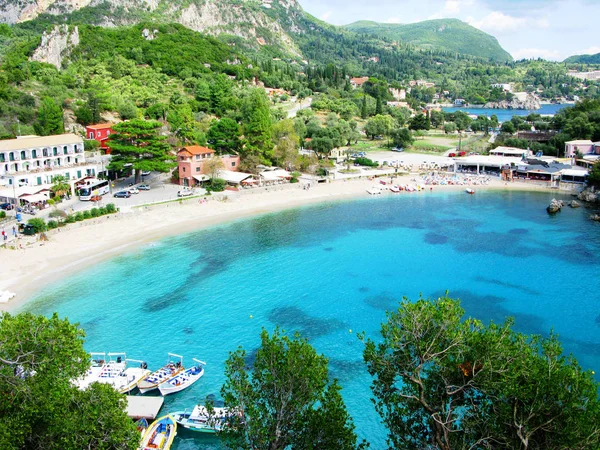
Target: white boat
159, 435
470, 191
113, 368
132, 376
173, 368
395, 189
97, 363
201, 420
183, 380
374, 191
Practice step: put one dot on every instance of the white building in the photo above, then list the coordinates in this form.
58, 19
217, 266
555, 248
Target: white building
36, 160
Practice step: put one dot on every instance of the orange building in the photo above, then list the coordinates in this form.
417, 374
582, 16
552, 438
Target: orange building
191, 162
100, 133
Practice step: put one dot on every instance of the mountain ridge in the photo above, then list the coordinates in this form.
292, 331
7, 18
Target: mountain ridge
583, 59
440, 34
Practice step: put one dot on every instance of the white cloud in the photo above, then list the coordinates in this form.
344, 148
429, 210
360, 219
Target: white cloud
393, 20
497, 21
588, 51
533, 53
452, 9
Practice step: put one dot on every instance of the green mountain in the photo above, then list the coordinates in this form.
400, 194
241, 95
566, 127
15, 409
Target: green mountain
450, 35
583, 59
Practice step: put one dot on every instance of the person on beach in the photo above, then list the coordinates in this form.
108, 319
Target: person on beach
14, 231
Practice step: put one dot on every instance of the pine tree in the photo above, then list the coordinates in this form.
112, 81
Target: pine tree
378, 106
50, 118
258, 127
363, 109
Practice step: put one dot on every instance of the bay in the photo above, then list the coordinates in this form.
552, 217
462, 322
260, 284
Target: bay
507, 114
332, 270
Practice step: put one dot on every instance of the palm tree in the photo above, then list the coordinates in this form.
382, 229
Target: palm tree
60, 186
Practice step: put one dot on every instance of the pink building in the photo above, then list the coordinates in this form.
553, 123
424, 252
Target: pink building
191, 162
584, 147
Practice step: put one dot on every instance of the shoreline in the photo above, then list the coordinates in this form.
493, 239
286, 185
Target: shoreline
81, 245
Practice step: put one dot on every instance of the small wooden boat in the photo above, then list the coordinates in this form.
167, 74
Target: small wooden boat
183, 380
173, 368
132, 376
142, 426
200, 420
160, 435
470, 191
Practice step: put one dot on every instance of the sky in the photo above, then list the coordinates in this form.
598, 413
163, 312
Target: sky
549, 29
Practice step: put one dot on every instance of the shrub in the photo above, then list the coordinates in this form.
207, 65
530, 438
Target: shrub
102, 210
86, 214
78, 216
52, 224
39, 225
293, 180
70, 219
365, 162
218, 184
110, 208
57, 213
94, 212
2, 214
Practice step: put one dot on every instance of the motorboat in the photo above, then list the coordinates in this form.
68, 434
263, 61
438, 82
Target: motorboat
470, 191
395, 189
132, 376
201, 420
97, 363
173, 368
183, 380
159, 435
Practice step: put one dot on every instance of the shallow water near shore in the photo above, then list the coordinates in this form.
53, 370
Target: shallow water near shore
332, 270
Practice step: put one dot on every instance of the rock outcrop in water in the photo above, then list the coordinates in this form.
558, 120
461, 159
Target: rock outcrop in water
528, 102
589, 195
555, 206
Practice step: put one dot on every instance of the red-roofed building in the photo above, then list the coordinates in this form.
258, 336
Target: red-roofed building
358, 82
100, 133
191, 162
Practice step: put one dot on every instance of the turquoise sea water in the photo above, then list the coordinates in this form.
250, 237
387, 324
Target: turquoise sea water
506, 114
325, 270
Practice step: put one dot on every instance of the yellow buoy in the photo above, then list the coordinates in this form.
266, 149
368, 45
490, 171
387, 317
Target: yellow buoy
350, 330
251, 316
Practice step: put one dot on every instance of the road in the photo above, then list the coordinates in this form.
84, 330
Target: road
298, 106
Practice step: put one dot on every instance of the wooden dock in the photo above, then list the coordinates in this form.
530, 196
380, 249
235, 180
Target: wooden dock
146, 407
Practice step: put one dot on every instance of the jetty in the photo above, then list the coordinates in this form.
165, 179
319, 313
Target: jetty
140, 407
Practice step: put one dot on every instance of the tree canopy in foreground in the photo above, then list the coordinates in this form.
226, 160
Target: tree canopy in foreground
442, 382
40, 408
286, 399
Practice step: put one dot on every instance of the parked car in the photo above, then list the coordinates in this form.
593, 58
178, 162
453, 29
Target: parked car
145, 174
451, 155
144, 187
184, 192
122, 194
133, 190
462, 153
7, 206
95, 198
397, 149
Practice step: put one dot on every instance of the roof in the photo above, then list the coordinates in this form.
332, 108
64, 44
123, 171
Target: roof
196, 150
99, 126
580, 142
509, 150
233, 177
39, 141
359, 80
575, 172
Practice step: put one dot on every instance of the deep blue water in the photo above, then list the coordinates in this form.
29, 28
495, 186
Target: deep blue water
328, 269
507, 114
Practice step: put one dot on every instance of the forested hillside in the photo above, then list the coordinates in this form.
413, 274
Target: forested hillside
583, 59
449, 35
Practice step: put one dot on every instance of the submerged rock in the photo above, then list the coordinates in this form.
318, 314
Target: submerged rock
574, 204
595, 217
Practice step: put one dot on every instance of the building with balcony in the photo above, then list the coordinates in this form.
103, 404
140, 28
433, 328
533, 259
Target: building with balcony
192, 167
36, 160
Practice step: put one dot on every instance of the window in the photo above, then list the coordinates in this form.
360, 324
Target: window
183, 169
197, 169
91, 135
39, 180
2, 157
55, 151
79, 174
181, 158
23, 154
34, 153
198, 156
11, 156
232, 163
65, 151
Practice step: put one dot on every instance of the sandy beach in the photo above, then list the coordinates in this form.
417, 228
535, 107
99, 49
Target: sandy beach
80, 245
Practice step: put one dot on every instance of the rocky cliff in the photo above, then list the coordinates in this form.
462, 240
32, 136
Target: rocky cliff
56, 45
528, 101
259, 21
